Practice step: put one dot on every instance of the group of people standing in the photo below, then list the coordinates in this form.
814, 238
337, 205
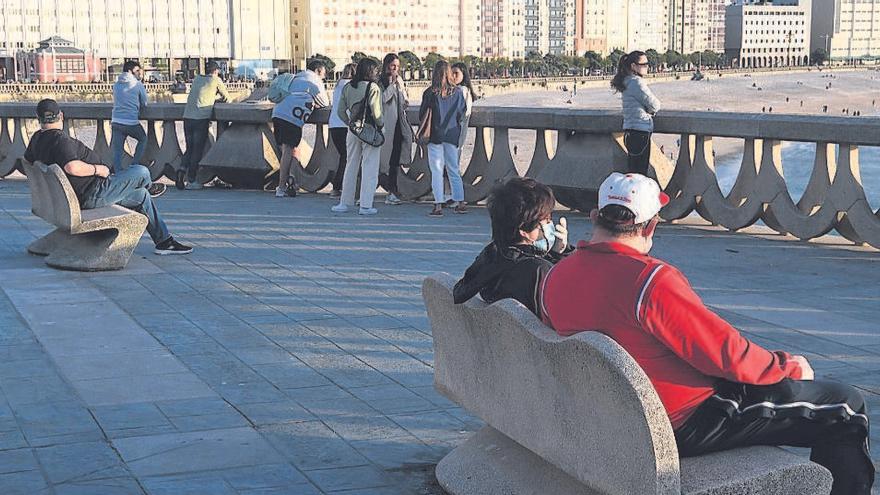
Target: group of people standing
374, 97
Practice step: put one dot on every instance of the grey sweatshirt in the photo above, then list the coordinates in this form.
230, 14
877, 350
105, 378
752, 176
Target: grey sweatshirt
639, 105
129, 96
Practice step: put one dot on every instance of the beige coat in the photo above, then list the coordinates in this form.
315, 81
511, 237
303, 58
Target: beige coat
394, 102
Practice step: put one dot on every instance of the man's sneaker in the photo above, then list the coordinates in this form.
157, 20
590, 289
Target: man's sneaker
194, 186
280, 192
180, 179
367, 211
335, 193
171, 246
340, 208
157, 189
391, 199
291, 187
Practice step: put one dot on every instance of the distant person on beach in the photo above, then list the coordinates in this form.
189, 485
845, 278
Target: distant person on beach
338, 130
305, 93
639, 106
206, 90
719, 390
93, 183
525, 246
397, 149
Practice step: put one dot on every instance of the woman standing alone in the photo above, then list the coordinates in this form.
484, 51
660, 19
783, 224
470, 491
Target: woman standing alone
445, 100
362, 90
639, 106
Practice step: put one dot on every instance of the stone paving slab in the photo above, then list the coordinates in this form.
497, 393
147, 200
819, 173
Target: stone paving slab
291, 352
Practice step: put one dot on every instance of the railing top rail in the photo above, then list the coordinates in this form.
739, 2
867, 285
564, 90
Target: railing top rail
808, 128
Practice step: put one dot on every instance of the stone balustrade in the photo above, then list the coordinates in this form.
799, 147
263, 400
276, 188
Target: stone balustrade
74, 88
588, 146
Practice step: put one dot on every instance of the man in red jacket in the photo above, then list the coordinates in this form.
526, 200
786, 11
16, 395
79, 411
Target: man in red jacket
720, 390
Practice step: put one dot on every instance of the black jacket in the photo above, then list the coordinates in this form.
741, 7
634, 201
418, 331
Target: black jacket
514, 272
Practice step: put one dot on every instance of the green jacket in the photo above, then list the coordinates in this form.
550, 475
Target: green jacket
355, 94
202, 95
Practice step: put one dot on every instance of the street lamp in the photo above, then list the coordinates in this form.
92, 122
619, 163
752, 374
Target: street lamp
827, 45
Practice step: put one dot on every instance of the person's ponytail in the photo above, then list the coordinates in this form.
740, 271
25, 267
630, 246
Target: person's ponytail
622, 72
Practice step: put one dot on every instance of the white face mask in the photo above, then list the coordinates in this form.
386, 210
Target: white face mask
549, 231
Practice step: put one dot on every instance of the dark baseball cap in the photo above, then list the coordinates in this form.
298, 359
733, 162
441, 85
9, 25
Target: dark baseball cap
48, 111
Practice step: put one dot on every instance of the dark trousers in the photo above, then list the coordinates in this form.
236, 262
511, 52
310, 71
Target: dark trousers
195, 132
828, 417
389, 181
118, 134
337, 136
638, 149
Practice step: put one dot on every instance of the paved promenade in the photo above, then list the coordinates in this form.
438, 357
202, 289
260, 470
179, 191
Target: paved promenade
291, 352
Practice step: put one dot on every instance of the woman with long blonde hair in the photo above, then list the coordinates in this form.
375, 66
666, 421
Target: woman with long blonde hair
446, 102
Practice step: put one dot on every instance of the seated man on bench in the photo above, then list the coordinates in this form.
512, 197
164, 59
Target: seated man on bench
92, 181
720, 390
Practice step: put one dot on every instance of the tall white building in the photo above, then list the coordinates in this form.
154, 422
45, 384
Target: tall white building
696, 25
172, 34
846, 29
549, 26
338, 28
606, 25
761, 34
503, 25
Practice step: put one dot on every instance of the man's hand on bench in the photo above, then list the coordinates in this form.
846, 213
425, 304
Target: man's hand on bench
806, 370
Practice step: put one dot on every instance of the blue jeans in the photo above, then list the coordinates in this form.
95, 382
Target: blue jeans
118, 134
440, 157
129, 189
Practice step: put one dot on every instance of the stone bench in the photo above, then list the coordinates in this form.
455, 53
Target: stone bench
573, 415
84, 240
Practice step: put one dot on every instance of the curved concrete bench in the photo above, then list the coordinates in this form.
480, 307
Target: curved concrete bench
573, 415
84, 240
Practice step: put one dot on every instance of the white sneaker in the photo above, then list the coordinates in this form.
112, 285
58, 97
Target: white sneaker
367, 211
391, 199
280, 192
340, 208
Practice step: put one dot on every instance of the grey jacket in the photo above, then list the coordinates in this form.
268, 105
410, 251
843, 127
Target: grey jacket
639, 105
129, 97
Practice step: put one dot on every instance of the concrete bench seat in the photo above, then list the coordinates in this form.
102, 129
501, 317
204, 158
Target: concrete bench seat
573, 415
84, 240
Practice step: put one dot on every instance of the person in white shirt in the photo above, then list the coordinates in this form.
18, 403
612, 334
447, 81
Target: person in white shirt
339, 131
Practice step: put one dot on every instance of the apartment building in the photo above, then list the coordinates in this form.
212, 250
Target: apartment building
846, 29
764, 34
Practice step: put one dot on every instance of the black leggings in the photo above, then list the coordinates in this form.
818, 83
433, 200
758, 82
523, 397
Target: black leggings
638, 149
389, 181
338, 135
828, 417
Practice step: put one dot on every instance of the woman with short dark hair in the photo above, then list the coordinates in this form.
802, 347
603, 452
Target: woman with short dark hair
639, 107
525, 245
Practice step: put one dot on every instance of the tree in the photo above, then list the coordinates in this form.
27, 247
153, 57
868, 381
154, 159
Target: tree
819, 56
695, 59
357, 56
431, 60
534, 63
673, 59
654, 59
328, 62
594, 59
711, 59
613, 59
409, 60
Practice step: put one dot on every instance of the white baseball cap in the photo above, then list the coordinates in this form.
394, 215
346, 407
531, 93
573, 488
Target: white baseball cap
637, 193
